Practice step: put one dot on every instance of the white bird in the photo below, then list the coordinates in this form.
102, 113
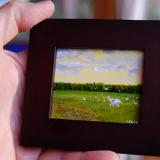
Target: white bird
114, 102
131, 121
106, 88
135, 103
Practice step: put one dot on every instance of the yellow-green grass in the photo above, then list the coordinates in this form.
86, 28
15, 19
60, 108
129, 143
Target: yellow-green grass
94, 106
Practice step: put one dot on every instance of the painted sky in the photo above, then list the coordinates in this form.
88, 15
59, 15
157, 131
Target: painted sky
101, 66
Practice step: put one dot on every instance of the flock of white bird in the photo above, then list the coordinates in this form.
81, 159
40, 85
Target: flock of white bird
114, 102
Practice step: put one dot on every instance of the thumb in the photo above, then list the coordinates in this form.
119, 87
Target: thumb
18, 17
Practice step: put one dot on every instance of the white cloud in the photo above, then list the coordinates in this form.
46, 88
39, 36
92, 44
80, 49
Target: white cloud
121, 67
70, 67
133, 71
110, 67
67, 53
74, 64
89, 56
70, 71
103, 68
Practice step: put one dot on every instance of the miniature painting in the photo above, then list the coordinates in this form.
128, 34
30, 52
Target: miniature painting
97, 85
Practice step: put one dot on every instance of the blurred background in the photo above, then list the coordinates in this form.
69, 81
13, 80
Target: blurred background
99, 9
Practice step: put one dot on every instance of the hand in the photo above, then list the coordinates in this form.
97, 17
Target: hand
16, 17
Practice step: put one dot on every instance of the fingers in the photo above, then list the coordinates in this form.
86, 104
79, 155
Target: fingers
17, 17
29, 14
51, 155
99, 155
20, 59
92, 155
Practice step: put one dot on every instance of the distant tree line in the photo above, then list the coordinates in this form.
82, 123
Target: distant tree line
97, 87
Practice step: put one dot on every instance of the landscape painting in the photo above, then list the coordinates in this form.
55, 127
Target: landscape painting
97, 85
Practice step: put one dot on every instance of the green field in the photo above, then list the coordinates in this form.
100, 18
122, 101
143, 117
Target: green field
94, 106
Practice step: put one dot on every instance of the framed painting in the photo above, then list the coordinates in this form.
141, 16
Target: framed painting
93, 85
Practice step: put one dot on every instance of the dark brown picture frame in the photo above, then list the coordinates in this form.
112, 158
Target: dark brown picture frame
40, 131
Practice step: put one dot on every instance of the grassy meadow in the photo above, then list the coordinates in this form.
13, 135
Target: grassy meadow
94, 106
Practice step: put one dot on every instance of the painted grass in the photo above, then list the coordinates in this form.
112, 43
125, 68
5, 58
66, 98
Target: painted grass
94, 106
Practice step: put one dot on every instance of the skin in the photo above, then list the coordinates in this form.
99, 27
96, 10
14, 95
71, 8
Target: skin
17, 17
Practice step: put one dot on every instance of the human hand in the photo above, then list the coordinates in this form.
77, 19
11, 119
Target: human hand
17, 17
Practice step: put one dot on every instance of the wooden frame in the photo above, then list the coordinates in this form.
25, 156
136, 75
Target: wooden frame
41, 131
